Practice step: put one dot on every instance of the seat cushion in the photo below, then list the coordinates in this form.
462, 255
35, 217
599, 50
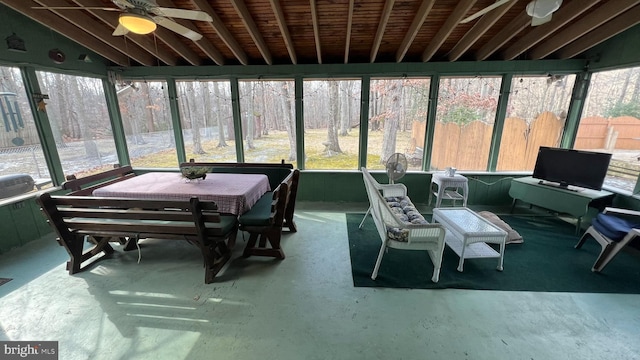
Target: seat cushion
260, 213
613, 227
406, 212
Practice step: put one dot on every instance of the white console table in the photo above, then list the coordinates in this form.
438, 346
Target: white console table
573, 202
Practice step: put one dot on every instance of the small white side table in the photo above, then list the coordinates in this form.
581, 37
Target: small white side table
458, 184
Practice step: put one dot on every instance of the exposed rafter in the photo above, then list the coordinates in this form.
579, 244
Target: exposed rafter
561, 17
247, 20
54, 22
348, 37
111, 19
606, 31
382, 25
316, 30
416, 24
282, 24
205, 45
478, 29
327, 31
102, 33
223, 32
586, 24
503, 36
453, 20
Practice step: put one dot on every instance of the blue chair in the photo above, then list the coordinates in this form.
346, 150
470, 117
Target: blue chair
613, 229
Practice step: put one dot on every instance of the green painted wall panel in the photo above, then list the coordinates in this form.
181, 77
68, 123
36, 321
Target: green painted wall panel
10, 237
38, 41
24, 220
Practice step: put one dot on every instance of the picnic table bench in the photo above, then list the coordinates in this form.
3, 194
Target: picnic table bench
102, 220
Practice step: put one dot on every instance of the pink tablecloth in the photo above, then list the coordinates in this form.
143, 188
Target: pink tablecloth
233, 193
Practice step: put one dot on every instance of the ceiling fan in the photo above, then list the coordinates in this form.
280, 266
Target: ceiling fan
143, 16
539, 10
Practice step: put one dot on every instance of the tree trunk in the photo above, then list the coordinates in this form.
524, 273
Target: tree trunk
332, 146
391, 122
190, 94
289, 119
219, 119
249, 118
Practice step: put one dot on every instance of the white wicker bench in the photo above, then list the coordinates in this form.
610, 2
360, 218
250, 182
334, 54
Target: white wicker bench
397, 232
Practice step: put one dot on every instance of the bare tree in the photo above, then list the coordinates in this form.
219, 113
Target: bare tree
332, 146
394, 92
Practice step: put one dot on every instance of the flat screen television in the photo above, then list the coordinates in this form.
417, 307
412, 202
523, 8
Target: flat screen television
566, 167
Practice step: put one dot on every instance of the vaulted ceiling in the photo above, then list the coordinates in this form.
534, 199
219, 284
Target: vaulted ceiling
259, 32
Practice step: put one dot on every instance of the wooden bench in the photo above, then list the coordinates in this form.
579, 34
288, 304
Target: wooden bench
265, 220
276, 172
102, 220
85, 185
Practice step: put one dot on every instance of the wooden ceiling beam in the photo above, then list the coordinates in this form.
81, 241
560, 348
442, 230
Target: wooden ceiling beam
560, 18
171, 39
254, 32
591, 21
452, 21
518, 24
316, 30
478, 29
223, 32
284, 30
416, 24
382, 25
205, 45
53, 22
102, 33
604, 32
110, 18
348, 37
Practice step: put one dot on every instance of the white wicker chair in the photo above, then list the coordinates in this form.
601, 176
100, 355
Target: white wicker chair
429, 237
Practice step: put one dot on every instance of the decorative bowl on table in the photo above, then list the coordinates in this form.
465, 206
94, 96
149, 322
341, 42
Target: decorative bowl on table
195, 172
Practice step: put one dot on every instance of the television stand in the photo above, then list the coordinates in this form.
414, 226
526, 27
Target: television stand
558, 199
558, 186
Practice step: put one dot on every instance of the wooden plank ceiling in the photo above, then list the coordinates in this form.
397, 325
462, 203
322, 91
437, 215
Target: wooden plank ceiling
273, 32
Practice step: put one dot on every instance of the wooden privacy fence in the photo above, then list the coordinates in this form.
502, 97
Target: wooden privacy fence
467, 146
596, 132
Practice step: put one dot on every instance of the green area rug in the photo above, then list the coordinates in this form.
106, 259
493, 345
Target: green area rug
546, 261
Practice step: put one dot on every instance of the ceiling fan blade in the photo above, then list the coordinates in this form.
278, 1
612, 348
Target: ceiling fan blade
73, 8
535, 21
120, 30
182, 14
484, 11
177, 28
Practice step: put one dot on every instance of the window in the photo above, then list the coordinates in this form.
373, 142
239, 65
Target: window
331, 124
267, 110
397, 120
464, 122
77, 111
611, 123
146, 118
22, 163
535, 117
207, 120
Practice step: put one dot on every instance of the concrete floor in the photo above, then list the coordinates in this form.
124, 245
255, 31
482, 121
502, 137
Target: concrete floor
304, 307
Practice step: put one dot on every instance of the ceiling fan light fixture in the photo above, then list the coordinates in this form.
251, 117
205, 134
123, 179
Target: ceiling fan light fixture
137, 23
